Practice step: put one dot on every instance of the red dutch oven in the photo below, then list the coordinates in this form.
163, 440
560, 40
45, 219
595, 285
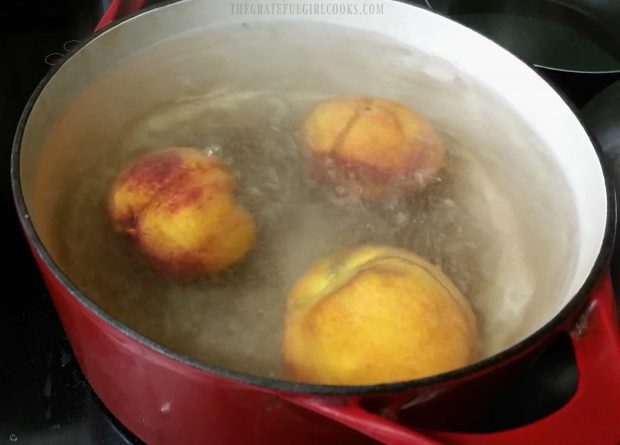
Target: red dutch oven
167, 398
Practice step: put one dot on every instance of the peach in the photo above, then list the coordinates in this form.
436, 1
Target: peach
375, 314
371, 147
179, 206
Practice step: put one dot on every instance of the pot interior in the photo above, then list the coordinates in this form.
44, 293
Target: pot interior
516, 220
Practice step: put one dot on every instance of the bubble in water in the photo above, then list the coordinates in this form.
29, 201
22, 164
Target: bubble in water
212, 149
13, 438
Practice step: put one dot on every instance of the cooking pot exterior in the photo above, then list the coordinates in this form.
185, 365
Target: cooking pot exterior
166, 399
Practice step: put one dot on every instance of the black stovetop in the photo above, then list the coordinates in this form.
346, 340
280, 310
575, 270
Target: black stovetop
44, 398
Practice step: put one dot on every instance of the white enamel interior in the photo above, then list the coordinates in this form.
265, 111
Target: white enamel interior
529, 95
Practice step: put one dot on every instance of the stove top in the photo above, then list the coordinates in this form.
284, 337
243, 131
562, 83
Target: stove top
44, 398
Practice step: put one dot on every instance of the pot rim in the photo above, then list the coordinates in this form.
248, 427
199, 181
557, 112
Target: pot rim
288, 385
571, 71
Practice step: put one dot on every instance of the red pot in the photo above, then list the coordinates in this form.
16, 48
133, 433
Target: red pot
165, 397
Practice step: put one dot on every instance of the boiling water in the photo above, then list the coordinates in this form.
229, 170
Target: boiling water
489, 220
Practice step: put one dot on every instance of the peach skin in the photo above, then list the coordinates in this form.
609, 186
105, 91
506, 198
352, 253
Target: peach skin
371, 147
375, 314
178, 205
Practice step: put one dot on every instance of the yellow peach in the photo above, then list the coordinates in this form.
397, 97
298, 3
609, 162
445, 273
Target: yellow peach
179, 207
376, 314
371, 147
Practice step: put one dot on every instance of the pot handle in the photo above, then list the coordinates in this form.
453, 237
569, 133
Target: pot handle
592, 416
117, 9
